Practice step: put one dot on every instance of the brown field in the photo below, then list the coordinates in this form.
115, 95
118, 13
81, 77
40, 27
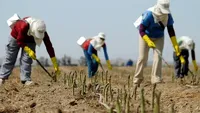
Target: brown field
47, 96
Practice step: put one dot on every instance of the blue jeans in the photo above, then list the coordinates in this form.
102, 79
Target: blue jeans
92, 64
11, 54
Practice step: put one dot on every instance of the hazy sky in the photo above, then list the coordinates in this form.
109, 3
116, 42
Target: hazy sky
67, 20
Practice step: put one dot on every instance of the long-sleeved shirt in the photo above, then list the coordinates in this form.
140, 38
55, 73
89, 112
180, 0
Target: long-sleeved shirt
90, 49
185, 42
170, 29
20, 33
152, 29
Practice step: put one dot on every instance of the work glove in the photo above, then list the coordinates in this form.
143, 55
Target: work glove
182, 60
176, 48
55, 65
175, 45
195, 65
149, 42
96, 58
109, 65
30, 52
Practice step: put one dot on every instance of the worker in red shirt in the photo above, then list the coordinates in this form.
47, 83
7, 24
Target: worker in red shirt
25, 33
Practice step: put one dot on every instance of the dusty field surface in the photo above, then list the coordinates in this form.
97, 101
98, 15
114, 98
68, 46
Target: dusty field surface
47, 96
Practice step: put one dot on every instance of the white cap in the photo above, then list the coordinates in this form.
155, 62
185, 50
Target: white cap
101, 35
13, 19
39, 29
163, 5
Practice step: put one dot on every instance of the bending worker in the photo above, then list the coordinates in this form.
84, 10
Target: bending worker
186, 44
90, 48
151, 26
26, 33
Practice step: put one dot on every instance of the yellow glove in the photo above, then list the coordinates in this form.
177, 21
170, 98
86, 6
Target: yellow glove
148, 41
175, 45
96, 58
109, 65
195, 65
55, 65
182, 60
30, 52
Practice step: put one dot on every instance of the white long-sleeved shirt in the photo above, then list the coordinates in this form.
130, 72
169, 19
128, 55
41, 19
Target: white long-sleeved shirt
186, 42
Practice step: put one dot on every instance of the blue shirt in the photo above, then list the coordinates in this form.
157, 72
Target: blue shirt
154, 30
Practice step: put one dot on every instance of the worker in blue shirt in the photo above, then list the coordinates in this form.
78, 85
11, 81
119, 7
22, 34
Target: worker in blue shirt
151, 27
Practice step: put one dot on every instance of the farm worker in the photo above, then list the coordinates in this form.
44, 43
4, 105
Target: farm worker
129, 63
151, 27
25, 33
186, 44
90, 48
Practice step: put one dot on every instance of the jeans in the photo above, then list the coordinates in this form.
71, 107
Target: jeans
91, 63
12, 50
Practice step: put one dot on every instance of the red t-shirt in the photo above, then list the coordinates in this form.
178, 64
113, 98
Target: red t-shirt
86, 44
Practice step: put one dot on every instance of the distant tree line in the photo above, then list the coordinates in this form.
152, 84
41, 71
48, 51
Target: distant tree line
67, 61
63, 61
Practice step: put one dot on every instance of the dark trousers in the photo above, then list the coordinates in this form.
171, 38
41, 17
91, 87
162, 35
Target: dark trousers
181, 70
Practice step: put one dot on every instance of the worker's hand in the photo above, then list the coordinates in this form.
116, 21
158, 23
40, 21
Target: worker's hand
109, 65
55, 65
96, 58
182, 60
175, 45
149, 42
177, 50
30, 52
